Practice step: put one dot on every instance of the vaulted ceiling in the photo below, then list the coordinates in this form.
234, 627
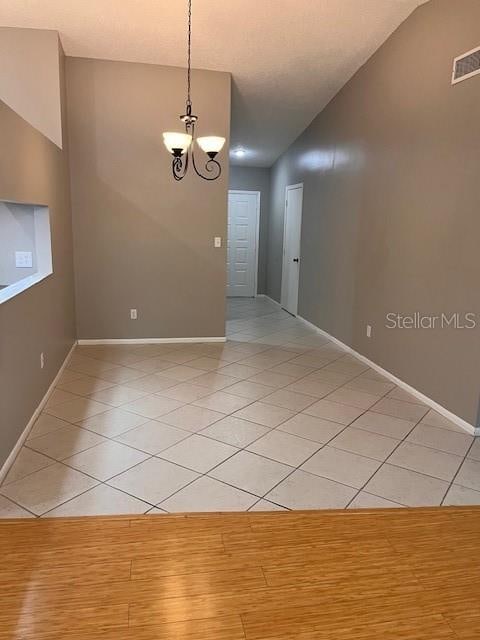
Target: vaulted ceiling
288, 58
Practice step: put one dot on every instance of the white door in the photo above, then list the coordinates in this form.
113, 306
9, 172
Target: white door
291, 247
243, 211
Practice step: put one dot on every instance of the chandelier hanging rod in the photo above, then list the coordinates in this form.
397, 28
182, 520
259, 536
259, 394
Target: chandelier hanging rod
182, 145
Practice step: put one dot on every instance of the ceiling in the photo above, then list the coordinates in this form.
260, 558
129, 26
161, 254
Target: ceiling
288, 58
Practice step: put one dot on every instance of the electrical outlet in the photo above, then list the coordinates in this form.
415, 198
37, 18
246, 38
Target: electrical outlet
369, 330
217, 242
42, 360
133, 314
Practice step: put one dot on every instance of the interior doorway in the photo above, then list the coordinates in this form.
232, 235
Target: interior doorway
291, 247
242, 243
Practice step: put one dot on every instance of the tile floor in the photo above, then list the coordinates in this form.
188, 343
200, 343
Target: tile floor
277, 418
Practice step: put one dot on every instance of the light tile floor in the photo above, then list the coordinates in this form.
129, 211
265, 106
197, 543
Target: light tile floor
277, 418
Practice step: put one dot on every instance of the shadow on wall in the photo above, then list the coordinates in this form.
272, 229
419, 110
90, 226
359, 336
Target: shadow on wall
390, 216
143, 240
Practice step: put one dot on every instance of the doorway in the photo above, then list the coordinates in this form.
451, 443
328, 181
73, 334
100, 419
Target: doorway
242, 243
292, 232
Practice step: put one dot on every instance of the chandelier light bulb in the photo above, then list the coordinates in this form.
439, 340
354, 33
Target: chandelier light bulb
211, 144
177, 142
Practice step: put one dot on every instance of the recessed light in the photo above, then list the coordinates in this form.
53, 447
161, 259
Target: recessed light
239, 152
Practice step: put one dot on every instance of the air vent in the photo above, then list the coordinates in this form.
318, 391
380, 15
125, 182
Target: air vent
466, 66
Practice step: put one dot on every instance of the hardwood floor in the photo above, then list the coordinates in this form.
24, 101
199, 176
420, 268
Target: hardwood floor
369, 574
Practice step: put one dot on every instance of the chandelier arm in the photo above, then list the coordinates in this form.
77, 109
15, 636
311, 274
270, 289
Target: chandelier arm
180, 166
212, 166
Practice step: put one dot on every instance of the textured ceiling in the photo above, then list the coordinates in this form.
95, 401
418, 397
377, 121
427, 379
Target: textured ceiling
288, 58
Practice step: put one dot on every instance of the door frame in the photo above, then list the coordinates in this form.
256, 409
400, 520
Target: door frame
257, 230
289, 187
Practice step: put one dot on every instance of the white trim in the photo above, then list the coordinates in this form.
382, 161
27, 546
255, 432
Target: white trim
264, 295
289, 187
43, 250
460, 422
24, 435
12, 290
150, 340
257, 234
467, 75
257, 242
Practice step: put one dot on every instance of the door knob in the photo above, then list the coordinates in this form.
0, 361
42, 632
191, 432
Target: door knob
295, 259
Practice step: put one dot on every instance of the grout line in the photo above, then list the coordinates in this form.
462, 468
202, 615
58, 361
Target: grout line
25, 446
297, 468
458, 471
404, 439
20, 506
375, 496
292, 336
322, 445
99, 483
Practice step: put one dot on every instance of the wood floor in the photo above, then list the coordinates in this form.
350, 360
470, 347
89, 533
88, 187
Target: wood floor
390, 574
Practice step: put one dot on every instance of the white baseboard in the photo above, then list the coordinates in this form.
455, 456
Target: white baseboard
19, 444
264, 295
460, 422
150, 340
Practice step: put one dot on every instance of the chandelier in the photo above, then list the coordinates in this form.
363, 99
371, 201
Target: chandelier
182, 145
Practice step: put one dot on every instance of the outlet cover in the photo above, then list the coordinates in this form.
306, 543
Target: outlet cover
23, 259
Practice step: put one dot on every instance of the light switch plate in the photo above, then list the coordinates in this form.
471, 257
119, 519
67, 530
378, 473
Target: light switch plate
217, 241
23, 259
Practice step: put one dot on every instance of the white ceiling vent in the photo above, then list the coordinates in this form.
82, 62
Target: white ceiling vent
466, 66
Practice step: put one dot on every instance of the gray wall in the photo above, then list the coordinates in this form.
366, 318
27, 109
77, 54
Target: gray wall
30, 78
33, 169
143, 240
391, 206
256, 179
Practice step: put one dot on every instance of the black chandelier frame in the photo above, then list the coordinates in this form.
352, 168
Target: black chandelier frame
181, 157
